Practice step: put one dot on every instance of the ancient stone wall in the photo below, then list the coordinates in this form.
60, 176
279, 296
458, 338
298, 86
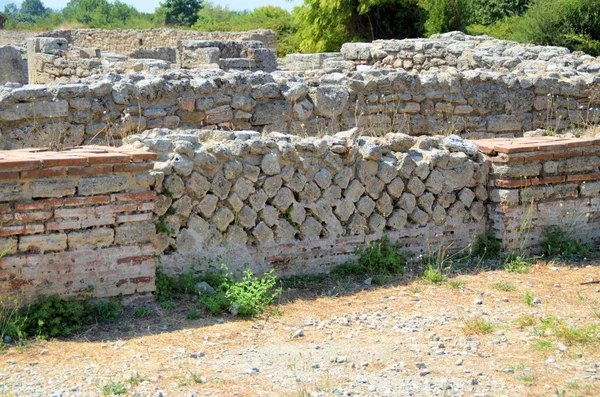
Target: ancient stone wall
12, 67
76, 222
464, 52
302, 205
479, 104
541, 182
126, 41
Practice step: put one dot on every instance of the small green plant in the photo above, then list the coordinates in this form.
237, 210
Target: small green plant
379, 257
487, 246
543, 345
434, 274
12, 319
198, 378
107, 311
112, 388
529, 378
253, 294
135, 380
500, 286
164, 286
528, 298
161, 226
143, 311
560, 243
167, 305
526, 321
517, 264
193, 314
476, 326
456, 284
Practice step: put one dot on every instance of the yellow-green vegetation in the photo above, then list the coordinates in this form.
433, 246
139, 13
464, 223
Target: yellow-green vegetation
477, 326
526, 321
324, 25
560, 329
506, 287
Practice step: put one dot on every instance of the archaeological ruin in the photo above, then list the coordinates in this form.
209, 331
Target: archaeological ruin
129, 147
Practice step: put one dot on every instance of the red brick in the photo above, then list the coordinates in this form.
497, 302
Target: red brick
33, 216
133, 167
9, 176
133, 196
94, 221
38, 205
90, 170
108, 158
4, 208
21, 229
146, 207
74, 212
529, 159
116, 208
553, 179
584, 177
63, 225
64, 161
566, 154
516, 183
75, 201
19, 164
44, 173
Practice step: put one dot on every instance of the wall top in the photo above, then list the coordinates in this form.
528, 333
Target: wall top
29, 159
531, 144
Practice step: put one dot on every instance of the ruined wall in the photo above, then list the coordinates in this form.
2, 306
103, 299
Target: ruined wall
76, 222
12, 67
542, 182
126, 41
474, 104
302, 205
464, 52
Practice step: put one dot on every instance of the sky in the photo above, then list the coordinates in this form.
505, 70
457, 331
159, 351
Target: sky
150, 5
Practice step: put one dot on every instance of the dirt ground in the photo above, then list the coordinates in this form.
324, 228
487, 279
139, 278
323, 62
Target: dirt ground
465, 336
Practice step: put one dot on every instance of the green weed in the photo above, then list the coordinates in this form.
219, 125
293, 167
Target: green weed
528, 298
487, 246
456, 284
379, 257
143, 311
112, 388
526, 321
506, 287
193, 315
560, 243
434, 275
517, 264
543, 345
476, 326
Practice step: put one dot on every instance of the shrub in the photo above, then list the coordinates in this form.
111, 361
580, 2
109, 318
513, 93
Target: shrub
379, 257
253, 294
569, 23
446, 15
487, 246
12, 320
559, 243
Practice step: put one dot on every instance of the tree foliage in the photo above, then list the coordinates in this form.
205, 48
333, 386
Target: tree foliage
324, 25
180, 12
33, 7
446, 15
486, 12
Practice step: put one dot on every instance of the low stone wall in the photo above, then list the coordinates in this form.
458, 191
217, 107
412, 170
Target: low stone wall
76, 222
246, 55
302, 205
50, 61
542, 182
126, 41
474, 104
464, 52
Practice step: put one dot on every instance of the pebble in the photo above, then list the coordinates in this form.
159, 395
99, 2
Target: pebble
299, 333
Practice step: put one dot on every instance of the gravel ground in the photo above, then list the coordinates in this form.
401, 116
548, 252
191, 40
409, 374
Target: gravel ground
408, 339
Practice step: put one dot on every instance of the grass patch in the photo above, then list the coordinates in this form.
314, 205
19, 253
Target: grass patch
143, 311
528, 298
517, 264
112, 388
543, 345
500, 286
456, 284
526, 321
552, 326
477, 326
528, 378
434, 274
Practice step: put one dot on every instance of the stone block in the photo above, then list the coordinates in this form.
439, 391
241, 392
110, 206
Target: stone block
135, 233
102, 185
43, 242
92, 238
52, 188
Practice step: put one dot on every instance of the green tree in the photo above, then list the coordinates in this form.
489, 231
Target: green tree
33, 7
570, 23
446, 15
324, 25
486, 12
180, 12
